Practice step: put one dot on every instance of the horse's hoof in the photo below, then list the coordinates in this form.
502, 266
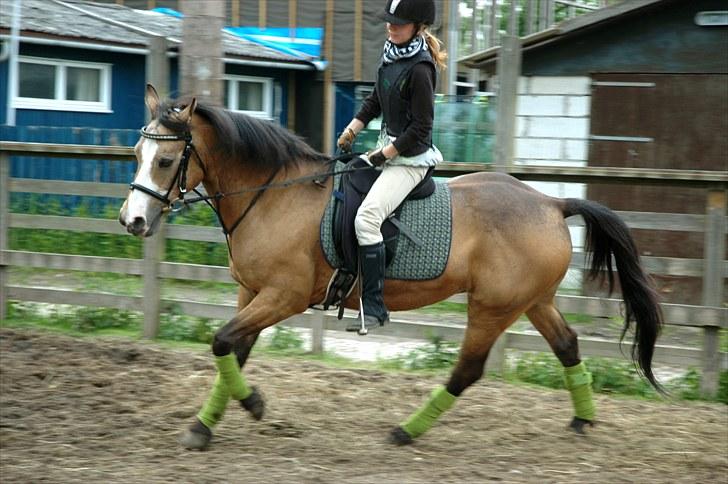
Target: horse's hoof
197, 437
399, 437
577, 425
254, 404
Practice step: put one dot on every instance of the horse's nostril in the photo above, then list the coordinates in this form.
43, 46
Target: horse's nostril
138, 223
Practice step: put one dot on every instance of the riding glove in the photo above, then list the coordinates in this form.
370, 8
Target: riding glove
346, 140
377, 157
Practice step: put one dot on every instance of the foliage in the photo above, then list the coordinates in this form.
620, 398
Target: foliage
285, 339
109, 245
610, 376
437, 354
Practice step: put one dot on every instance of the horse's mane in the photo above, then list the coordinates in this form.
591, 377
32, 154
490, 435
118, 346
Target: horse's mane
258, 143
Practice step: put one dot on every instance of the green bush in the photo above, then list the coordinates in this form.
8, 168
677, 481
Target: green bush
436, 354
285, 339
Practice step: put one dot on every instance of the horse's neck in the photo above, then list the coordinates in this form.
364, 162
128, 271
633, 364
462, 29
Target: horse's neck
231, 178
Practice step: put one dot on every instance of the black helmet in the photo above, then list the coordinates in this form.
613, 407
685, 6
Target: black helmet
409, 12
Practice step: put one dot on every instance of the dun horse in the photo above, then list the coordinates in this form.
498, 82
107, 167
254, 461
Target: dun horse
510, 249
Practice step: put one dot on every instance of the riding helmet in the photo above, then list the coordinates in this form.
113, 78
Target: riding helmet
402, 12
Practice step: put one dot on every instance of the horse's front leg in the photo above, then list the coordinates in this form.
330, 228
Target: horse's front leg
231, 352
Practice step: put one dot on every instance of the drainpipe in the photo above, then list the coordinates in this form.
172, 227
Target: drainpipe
13, 63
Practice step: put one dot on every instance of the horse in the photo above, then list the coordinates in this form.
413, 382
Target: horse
510, 249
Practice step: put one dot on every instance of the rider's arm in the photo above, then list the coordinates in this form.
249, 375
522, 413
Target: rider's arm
422, 109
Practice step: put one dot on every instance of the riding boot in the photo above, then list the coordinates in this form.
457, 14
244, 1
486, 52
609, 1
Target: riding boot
372, 261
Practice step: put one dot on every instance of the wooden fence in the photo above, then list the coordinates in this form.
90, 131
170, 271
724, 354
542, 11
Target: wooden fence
711, 315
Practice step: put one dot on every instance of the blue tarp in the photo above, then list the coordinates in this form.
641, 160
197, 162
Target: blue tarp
303, 42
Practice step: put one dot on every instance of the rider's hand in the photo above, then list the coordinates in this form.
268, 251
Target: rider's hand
377, 157
346, 140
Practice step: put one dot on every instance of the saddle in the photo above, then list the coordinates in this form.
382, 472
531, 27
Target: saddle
353, 187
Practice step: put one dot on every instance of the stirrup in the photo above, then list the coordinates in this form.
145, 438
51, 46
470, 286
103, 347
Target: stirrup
364, 322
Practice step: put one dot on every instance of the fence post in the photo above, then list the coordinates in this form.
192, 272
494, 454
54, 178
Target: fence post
317, 332
153, 256
713, 253
496, 362
4, 228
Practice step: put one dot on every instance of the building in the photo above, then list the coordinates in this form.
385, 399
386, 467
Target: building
642, 83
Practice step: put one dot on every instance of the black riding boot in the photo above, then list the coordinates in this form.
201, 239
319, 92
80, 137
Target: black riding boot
371, 259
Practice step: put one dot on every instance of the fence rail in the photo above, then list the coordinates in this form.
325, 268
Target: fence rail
712, 315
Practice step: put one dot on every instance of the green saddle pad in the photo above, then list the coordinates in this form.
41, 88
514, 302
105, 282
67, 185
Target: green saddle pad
429, 219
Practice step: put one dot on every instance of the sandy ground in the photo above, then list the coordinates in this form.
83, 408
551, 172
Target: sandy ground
111, 410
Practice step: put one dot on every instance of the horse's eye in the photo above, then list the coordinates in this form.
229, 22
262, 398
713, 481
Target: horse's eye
166, 162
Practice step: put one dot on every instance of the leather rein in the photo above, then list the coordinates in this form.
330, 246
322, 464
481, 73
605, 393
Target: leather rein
180, 179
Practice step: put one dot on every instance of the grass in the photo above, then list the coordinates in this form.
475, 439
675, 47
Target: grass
610, 376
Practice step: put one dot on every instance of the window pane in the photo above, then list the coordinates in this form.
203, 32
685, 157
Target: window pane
36, 80
250, 96
83, 84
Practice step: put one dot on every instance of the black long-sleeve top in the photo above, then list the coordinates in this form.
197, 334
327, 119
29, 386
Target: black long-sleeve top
420, 90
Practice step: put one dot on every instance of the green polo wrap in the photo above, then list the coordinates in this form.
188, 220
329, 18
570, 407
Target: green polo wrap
578, 381
420, 422
214, 408
229, 371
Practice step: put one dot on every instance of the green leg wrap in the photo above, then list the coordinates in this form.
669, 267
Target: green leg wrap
230, 373
578, 381
420, 422
214, 408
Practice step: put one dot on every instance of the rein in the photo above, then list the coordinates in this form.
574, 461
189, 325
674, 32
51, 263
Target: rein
181, 180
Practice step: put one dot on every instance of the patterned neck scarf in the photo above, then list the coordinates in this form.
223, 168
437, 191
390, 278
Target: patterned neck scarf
393, 53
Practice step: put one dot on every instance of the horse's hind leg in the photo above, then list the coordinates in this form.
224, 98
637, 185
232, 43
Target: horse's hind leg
480, 335
563, 341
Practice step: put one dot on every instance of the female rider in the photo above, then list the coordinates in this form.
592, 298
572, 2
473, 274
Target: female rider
404, 96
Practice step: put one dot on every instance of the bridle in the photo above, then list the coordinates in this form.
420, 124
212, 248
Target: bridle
180, 177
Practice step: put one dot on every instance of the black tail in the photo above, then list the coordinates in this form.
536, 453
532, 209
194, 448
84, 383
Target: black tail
606, 236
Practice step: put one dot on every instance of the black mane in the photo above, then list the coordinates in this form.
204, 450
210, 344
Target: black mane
259, 143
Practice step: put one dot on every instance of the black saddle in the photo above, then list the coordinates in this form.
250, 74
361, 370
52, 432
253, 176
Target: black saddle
353, 188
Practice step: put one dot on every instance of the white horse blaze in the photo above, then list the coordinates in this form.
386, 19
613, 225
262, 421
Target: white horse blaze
138, 201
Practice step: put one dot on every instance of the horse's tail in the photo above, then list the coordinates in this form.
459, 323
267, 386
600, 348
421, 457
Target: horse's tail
606, 236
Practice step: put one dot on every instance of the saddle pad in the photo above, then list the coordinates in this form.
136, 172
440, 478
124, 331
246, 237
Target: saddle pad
430, 219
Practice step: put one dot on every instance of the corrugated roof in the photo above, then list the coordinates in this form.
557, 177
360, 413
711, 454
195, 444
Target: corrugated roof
119, 25
587, 20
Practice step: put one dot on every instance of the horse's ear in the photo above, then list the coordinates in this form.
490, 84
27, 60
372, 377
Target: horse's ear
186, 114
151, 99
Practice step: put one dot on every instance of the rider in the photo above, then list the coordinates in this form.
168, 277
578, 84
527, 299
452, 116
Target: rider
404, 96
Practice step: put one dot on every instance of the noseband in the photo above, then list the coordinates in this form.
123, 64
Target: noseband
180, 177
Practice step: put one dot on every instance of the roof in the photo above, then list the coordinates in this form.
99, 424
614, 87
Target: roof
564, 29
113, 24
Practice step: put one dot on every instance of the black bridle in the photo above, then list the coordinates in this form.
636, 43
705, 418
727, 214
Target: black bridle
181, 176
181, 179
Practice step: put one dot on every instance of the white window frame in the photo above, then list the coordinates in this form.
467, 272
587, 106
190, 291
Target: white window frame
232, 87
60, 103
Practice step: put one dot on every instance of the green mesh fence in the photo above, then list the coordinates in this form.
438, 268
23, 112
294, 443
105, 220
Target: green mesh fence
464, 129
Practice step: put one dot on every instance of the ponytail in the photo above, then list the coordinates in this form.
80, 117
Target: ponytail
435, 46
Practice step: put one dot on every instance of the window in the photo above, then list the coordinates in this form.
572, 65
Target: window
250, 95
60, 85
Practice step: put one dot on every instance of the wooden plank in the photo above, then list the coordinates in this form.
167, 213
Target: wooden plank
713, 253
579, 174
72, 262
195, 272
153, 255
67, 296
91, 189
73, 224
195, 232
673, 266
68, 150
508, 70
4, 225
675, 314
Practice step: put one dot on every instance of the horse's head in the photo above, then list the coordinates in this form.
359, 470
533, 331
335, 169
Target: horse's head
165, 171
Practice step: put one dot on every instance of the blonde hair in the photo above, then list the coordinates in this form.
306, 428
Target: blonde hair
435, 46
